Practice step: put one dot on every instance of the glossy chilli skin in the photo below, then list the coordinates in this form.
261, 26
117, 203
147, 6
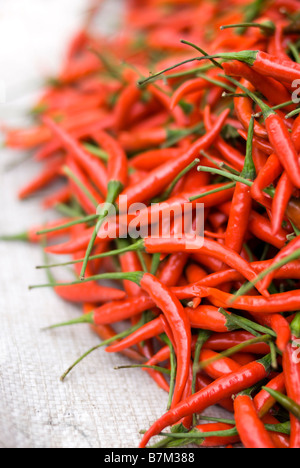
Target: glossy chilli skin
250, 428
189, 102
179, 324
222, 388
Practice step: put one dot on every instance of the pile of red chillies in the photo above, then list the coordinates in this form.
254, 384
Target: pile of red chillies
192, 101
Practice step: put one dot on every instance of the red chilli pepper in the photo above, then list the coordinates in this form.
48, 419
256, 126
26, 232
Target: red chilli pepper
250, 428
222, 388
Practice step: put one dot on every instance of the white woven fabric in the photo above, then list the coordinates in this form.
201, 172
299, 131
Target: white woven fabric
97, 406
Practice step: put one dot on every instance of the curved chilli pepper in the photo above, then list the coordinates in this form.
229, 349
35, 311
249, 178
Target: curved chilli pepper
82, 132
89, 292
276, 303
272, 89
119, 311
129, 262
161, 177
187, 422
117, 175
153, 158
281, 327
259, 143
265, 64
239, 214
259, 158
105, 332
155, 212
291, 369
128, 97
224, 341
250, 428
33, 236
216, 441
221, 388
62, 195
241, 205
117, 162
93, 166
179, 324
49, 174
279, 137
195, 85
150, 330
284, 190
261, 228
290, 5
171, 272
195, 273
281, 441
81, 67
283, 145
244, 111
243, 358
291, 247
202, 381
223, 366
266, 176
206, 247
161, 95
283, 194
263, 401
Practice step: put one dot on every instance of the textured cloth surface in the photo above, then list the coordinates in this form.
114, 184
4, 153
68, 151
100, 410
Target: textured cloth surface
97, 406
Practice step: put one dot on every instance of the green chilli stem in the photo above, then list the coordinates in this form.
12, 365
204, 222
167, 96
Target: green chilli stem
104, 343
87, 318
159, 74
194, 46
173, 364
217, 82
294, 51
265, 109
162, 370
135, 277
86, 219
203, 336
267, 27
295, 326
167, 194
249, 171
201, 435
155, 263
96, 151
174, 136
249, 285
242, 322
114, 189
69, 173
290, 405
192, 71
22, 237
68, 211
228, 175
293, 113
139, 245
220, 165
234, 350
211, 192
